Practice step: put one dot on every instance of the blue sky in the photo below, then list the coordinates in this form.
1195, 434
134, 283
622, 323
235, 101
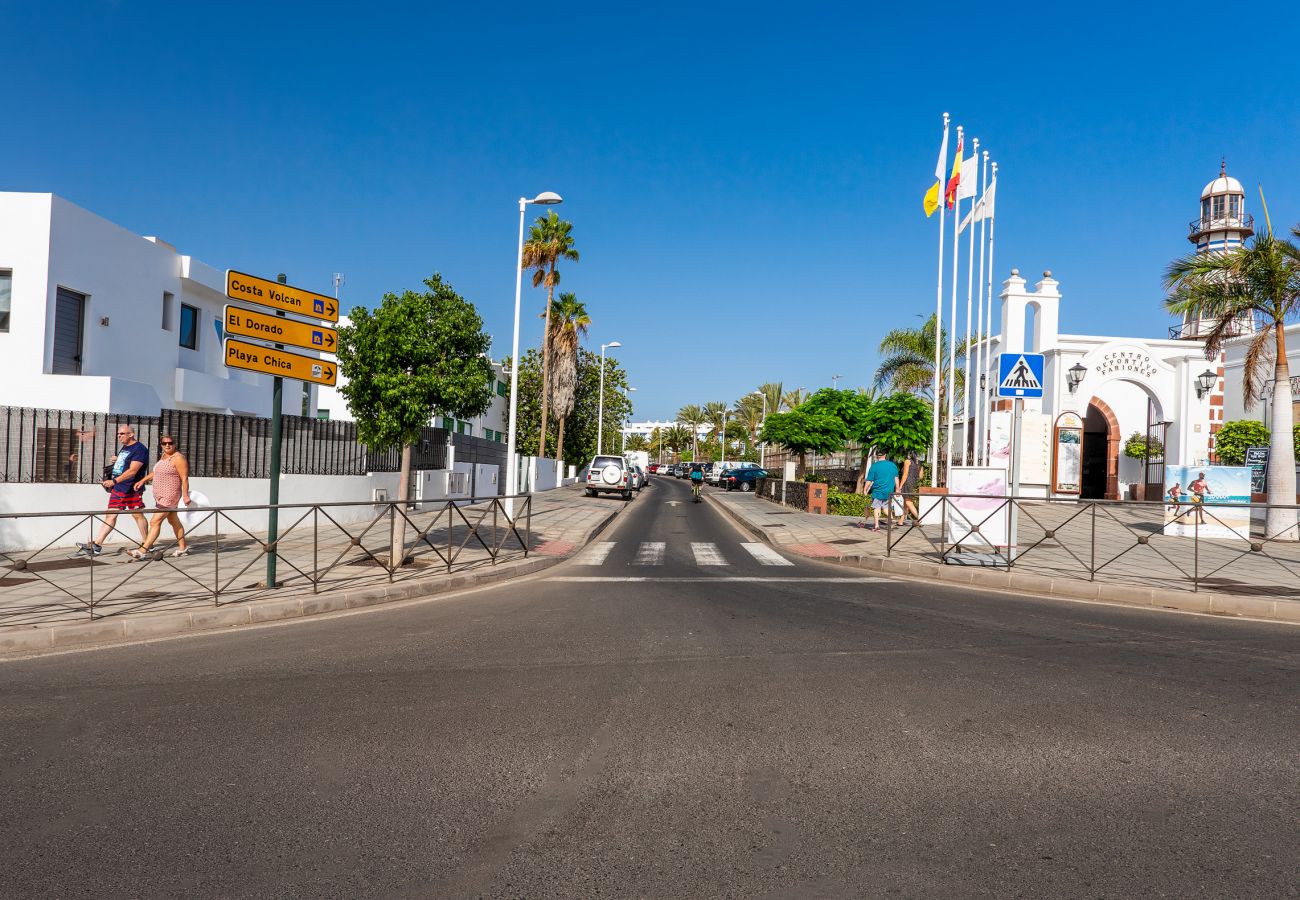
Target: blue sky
744, 180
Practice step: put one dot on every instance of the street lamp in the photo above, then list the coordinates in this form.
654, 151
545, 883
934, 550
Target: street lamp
1074, 377
600, 405
835, 381
624, 428
1205, 382
761, 422
545, 198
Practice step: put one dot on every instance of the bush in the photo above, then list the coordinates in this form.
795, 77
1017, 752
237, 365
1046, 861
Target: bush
1234, 437
838, 503
1136, 446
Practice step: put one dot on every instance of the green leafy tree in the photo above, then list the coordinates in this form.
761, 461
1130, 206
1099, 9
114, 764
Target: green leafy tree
1257, 284
550, 240
419, 352
849, 407
1234, 437
580, 433
1139, 446
801, 431
897, 425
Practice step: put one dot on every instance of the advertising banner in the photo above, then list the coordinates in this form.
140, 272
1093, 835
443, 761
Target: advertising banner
1067, 459
984, 508
1257, 459
1189, 488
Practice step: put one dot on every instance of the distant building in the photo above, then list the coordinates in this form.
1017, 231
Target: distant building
96, 318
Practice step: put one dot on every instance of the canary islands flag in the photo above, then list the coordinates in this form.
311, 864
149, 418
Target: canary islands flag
931, 201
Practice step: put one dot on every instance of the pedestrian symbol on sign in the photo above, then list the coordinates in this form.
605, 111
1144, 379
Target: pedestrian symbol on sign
1020, 375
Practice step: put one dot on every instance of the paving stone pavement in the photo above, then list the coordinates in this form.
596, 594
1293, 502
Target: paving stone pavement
1113, 547
317, 555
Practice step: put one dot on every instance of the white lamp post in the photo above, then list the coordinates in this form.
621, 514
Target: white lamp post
546, 198
761, 423
624, 428
600, 404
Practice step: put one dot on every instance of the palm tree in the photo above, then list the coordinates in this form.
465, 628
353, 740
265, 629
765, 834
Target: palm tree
772, 392
1259, 282
749, 413
677, 438
569, 323
715, 411
693, 415
549, 241
908, 362
792, 399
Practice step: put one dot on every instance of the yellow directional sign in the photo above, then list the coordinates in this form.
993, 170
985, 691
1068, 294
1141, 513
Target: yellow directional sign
251, 289
279, 330
270, 361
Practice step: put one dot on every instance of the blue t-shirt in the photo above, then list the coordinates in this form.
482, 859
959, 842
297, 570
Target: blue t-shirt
126, 456
882, 475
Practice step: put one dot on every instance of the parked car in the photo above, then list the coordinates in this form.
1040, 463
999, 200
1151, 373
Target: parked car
641, 479
653, 469
610, 475
744, 479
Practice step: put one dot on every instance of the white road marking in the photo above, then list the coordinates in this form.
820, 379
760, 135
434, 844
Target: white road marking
588, 579
650, 554
707, 554
596, 554
766, 555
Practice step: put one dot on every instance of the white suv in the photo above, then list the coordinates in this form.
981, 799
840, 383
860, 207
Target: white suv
610, 474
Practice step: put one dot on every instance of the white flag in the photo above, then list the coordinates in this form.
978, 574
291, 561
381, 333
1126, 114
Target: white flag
941, 167
984, 209
969, 217
970, 171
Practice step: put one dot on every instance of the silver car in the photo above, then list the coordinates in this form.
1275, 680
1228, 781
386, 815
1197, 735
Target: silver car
610, 475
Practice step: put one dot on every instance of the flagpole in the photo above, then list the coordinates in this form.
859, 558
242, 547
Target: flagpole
952, 332
981, 456
993, 225
938, 316
970, 290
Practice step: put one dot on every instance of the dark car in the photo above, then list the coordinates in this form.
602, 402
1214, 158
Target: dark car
747, 479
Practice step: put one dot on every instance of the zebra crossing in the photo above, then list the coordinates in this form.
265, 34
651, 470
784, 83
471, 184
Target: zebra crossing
705, 553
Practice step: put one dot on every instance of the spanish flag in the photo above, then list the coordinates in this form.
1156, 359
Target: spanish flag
955, 180
931, 201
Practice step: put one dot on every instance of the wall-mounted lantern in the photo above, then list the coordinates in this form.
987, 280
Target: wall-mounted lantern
1205, 382
1074, 377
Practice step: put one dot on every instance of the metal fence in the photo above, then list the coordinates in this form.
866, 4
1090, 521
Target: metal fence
320, 546
70, 447
1190, 546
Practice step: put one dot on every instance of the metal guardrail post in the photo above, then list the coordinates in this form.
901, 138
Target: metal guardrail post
315, 549
392, 530
216, 558
528, 525
1196, 554
1092, 557
1013, 529
90, 538
496, 548
451, 526
943, 527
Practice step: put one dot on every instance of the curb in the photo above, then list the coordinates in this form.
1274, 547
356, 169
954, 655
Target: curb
211, 619
1206, 602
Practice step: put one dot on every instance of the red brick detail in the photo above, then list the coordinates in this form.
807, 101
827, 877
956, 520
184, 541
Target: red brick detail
1216, 400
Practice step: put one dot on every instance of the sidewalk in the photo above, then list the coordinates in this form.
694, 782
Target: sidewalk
1137, 564
52, 598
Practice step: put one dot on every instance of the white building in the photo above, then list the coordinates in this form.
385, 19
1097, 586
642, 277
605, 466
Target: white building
96, 318
1121, 386
491, 424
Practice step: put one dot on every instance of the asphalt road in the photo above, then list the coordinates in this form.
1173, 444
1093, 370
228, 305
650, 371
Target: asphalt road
721, 726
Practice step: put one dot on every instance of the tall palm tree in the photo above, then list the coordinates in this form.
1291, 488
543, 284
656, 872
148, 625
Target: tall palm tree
569, 323
907, 362
677, 438
550, 240
772, 393
792, 399
693, 415
749, 412
1259, 282
715, 411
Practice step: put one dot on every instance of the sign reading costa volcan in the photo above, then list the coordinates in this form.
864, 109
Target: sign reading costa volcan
251, 289
270, 361
279, 330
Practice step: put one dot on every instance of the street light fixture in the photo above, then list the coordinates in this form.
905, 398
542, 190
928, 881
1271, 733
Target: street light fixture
1205, 382
600, 405
1074, 377
545, 198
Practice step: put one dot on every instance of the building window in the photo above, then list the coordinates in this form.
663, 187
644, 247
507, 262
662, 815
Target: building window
1234, 206
323, 415
6, 298
189, 327
1218, 207
503, 390
168, 311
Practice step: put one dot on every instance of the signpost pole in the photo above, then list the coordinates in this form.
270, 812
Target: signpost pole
1013, 516
273, 514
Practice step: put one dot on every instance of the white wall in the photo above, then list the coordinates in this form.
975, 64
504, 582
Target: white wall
132, 364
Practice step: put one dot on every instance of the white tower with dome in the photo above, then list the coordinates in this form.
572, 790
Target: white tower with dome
1222, 225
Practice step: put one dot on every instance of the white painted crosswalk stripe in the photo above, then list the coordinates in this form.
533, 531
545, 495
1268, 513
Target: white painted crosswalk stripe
651, 553
707, 554
766, 555
596, 554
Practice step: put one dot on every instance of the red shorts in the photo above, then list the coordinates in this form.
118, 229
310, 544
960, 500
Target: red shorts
131, 501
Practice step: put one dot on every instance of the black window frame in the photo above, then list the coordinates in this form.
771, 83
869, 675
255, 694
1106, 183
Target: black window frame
6, 312
194, 332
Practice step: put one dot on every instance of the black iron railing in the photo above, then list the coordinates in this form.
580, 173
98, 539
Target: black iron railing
1204, 224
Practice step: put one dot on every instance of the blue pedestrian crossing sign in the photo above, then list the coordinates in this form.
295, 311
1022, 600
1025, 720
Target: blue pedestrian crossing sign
1020, 375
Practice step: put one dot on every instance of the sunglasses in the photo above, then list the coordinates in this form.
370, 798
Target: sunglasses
168, 443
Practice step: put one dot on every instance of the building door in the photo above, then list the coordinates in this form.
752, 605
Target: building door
1093, 477
69, 327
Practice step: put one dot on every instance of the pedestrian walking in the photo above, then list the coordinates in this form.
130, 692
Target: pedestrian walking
881, 483
122, 481
171, 489
910, 480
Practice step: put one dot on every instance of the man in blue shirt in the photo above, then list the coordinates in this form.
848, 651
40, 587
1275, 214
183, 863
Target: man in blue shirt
128, 469
881, 483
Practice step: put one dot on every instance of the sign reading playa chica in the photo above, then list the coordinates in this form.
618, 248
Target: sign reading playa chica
1127, 361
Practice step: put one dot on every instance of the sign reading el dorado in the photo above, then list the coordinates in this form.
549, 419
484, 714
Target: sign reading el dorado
251, 289
270, 361
279, 330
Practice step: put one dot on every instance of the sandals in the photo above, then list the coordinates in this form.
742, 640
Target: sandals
178, 552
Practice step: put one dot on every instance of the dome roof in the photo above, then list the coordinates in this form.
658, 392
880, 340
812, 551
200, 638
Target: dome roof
1224, 184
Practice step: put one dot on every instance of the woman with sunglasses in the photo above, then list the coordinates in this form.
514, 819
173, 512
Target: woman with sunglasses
171, 486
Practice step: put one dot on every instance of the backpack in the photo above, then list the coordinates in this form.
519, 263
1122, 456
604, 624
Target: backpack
697, 474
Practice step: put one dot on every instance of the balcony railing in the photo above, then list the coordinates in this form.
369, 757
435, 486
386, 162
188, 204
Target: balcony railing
1206, 224
1199, 328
